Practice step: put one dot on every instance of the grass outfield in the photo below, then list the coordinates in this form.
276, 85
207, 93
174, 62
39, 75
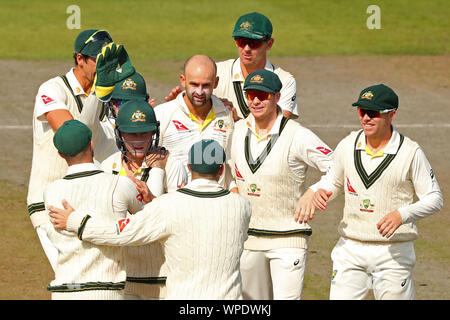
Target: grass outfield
173, 30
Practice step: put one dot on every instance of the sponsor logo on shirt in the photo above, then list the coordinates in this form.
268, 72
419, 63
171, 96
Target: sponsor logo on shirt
140, 197
46, 99
238, 174
180, 126
121, 224
350, 188
324, 150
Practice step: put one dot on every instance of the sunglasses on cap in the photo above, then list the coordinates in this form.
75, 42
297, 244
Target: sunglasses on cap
252, 43
261, 95
372, 113
99, 35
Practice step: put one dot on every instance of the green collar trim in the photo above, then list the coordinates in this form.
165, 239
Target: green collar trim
268, 233
369, 180
200, 194
36, 207
252, 164
148, 280
82, 174
76, 287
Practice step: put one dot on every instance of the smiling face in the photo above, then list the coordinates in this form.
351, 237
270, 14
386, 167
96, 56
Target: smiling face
253, 53
262, 107
376, 126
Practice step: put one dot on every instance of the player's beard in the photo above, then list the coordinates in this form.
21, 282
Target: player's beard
198, 98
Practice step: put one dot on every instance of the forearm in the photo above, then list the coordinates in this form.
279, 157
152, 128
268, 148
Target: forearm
133, 231
423, 208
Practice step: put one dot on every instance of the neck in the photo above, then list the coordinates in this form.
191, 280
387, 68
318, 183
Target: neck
247, 69
376, 143
199, 112
85, 83
131, 165
264, 125
72, 162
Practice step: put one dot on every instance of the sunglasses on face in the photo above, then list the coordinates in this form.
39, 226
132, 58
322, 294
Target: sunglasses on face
252, 43
261, 95
372, 113
100, 35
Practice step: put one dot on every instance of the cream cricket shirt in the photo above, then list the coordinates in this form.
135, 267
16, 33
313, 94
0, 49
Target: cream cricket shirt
231, 84
270, 171
180, 130
81, 266
145, 264
202, 228
47, 165
411, 168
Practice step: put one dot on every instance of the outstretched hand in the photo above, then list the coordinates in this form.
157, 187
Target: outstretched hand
144, 191
59, 216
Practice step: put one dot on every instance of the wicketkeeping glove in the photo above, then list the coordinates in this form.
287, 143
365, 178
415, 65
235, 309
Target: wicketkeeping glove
111, 58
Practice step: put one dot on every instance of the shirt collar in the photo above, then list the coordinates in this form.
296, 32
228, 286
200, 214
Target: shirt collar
74, 84
82, 167
274, 130
390, 148
237, 72
211, 114
203, 185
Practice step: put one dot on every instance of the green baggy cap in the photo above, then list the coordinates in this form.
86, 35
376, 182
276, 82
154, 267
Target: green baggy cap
133, 87
136, 116
206, 156
72, 138
378, 97
253, 25
90, 42
263, 80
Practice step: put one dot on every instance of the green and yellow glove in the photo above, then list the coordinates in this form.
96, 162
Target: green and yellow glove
113, 65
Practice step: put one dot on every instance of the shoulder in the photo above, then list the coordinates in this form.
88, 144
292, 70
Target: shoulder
164, 110
225, 65
112, 162
285, 76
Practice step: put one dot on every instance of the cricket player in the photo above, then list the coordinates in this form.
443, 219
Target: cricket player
380, 171
196, 113
253, 36
140, 157
271, 155
201, 226
74, 95
83, 270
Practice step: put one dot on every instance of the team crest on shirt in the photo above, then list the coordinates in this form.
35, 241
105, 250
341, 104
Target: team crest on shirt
366, 206
253, 190
257, 78
138, 116
129, 84
245, 25
367, 95
219, 125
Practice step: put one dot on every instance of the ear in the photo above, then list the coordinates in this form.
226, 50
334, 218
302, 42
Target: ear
183, 80
221, 170
277, 96
270, 43
216, 82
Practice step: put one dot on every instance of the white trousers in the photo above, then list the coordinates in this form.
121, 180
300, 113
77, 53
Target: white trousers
385, 268
273, 274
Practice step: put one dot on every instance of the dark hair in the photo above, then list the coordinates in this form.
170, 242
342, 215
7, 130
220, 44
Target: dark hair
75, 57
